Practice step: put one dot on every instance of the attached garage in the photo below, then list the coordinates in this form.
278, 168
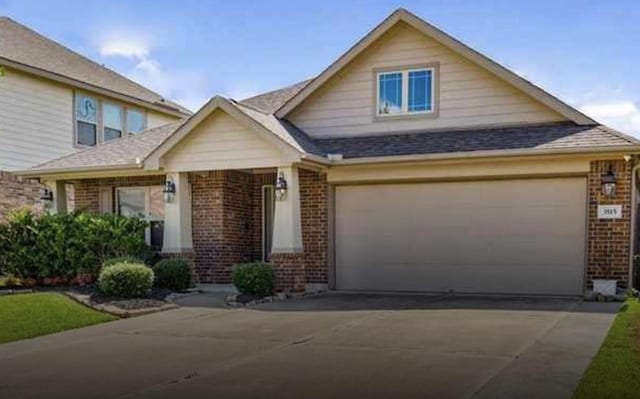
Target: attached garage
523, 236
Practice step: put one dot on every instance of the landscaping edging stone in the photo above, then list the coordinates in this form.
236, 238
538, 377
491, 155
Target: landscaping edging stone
85, 299
15, 291
232, 300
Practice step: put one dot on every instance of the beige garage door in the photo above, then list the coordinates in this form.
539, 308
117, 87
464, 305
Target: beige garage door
507, 236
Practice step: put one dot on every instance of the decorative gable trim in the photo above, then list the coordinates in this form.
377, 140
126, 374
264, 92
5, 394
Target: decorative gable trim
402, 15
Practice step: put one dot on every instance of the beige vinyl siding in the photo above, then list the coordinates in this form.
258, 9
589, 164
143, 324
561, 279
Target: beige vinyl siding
220, 142
35, 120
155, 119
468, 95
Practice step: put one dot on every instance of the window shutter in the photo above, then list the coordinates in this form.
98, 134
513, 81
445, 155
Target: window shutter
106, 199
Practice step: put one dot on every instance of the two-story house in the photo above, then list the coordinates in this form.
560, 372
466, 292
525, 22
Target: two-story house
54, 101
411, 163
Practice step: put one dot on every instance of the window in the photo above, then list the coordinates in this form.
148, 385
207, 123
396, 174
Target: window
135, 121
99, 120
86, 120
112, 115
408, 91
147, 203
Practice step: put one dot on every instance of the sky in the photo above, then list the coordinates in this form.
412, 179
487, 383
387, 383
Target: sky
586, 52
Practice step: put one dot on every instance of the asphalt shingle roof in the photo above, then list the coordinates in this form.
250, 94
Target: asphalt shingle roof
20, 44
128, 150
271, 101
120, 152
550, 136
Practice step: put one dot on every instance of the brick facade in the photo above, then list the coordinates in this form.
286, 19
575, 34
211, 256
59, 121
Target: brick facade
314, 212
222, 223
87, 191
608, 240
227, 222
16, 192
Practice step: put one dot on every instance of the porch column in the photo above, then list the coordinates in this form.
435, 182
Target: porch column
287, 251
177, 217
58, 189
287, 228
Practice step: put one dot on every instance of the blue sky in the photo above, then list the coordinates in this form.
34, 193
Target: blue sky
586, 52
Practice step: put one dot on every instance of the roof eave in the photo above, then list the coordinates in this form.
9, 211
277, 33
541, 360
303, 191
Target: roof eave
631, 149
162, 108
34, 173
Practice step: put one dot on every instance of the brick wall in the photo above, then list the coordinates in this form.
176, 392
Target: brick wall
222, 223
608, 245
293, 271
315, 216
87, 191
16, 192
227, 222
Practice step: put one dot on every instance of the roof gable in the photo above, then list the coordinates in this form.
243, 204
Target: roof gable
265, 126
24, 49
403, 16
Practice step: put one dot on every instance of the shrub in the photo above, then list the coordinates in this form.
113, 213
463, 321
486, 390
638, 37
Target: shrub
65, 245
255, 278
173, 274
126, 280
122, 259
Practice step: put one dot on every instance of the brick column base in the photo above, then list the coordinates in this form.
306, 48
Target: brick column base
189, 258
290, 272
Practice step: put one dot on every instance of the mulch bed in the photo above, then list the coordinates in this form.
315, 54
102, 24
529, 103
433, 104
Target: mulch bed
157, 298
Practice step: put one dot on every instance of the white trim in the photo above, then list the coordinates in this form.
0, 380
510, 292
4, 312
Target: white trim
147, 206
263, 220
404, 87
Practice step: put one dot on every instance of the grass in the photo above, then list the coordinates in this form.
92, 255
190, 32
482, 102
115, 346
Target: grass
615, 370
30, 315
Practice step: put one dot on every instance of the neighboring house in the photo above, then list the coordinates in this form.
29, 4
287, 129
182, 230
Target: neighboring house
412, 163
54, 101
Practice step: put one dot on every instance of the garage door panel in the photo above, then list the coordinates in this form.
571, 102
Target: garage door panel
516, 236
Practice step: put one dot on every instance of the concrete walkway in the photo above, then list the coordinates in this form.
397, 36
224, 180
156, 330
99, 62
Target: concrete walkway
332, 346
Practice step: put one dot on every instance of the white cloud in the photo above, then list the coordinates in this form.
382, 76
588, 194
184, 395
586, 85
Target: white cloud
185, 87
620, 115
125, 47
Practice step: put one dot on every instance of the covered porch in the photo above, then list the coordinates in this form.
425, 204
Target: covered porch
218, 218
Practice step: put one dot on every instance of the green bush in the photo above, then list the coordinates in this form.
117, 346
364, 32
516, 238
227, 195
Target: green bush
122, 259
173, 274
64, 245
255, 278
126, 280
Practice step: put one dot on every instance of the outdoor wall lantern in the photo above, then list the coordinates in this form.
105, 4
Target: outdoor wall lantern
169, 191
281, 187
609, 182
47, 196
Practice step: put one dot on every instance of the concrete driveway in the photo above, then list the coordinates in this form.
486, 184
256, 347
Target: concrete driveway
332, 346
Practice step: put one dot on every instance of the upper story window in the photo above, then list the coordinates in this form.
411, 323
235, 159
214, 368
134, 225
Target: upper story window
135, 121
87, 120
405, 92
99, 120
112, 115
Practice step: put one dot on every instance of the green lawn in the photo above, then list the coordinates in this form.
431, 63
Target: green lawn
30, 315
615, 371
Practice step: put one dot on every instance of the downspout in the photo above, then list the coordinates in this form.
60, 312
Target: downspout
633, 224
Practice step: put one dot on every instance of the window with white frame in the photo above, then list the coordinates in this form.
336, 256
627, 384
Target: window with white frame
147, 203
112, 126
99, 120
135, 121
405, 92
86, 120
